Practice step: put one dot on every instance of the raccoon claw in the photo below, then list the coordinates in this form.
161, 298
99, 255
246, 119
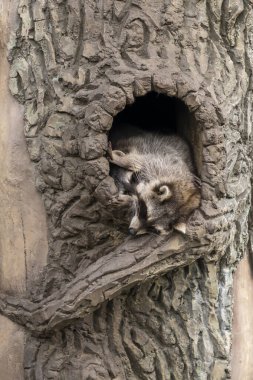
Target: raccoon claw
122, 200
180, 227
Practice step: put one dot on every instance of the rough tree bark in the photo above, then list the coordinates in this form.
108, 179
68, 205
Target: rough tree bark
108, 306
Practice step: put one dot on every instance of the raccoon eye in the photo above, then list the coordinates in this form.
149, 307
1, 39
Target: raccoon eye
134, 178
143, 212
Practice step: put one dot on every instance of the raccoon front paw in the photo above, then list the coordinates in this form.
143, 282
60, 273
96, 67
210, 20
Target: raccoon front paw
122, 200
114, 155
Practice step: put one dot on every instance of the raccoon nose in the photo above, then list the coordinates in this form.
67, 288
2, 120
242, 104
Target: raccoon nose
132, 231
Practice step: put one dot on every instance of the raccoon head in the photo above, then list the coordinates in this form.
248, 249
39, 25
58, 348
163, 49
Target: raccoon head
161, 204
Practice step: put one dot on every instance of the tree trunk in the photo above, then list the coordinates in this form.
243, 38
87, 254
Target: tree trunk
107, 306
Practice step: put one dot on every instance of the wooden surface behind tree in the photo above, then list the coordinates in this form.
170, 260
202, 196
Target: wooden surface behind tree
74, 66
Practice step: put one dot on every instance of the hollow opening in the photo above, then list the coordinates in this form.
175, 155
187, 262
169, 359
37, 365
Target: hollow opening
163, 114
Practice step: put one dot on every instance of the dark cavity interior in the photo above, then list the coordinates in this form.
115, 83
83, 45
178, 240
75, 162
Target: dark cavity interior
163, 114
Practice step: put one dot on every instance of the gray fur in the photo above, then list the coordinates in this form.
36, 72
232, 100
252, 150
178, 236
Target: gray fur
157, 170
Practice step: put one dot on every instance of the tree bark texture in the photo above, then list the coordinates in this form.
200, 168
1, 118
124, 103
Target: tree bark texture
23, 240
108, 306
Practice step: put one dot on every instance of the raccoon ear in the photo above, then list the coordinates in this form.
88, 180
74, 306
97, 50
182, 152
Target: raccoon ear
164, 193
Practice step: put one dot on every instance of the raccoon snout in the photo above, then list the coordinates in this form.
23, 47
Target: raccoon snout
135, 232
132, 231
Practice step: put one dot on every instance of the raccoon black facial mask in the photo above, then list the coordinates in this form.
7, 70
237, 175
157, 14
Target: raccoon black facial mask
157, 171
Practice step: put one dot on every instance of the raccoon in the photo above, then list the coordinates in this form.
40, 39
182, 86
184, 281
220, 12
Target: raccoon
157, 171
